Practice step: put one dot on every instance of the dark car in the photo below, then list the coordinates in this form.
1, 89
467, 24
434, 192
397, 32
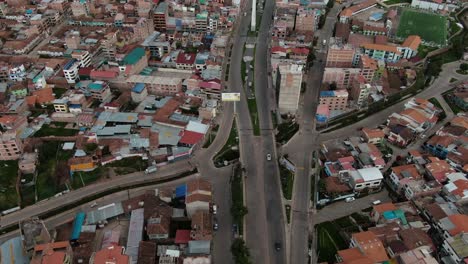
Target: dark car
215, 224
277, 246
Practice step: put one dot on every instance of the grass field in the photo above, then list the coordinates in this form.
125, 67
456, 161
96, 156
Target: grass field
8, 176
329, 242
430, 27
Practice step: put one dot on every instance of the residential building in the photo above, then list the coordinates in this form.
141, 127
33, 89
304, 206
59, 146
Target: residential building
307, 19
27, 163
158, 85
400, 135
401, 175
290, 81
70, 70
370, 246
410, 46
11, 146
368, 67
360, 179
457, 191
373, 136
185, 61
139, 92
336, 100
113, 254
61, 105
360, 91
421, 188
99, 90
85, 163
201, 226
440, 146
456, 248
160, 16
439, 170
341, 77
383, 52
157, 45
82, 56
57, 252
418, 255
198, 198
134, 62
339, 55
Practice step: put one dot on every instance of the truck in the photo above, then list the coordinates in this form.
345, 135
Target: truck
151, 169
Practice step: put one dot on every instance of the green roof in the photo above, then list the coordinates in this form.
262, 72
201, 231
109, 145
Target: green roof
134, 56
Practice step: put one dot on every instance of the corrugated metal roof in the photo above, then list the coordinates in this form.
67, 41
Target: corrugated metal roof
135, 234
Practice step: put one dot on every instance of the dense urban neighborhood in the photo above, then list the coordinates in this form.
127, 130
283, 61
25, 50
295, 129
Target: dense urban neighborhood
234, 131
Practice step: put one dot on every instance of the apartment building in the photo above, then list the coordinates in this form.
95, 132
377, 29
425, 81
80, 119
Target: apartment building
336, 100
11, 146
341, 77
368, 67
290, 80
360, 91
339, 55
158, 85
383, 52
70, 70
160, 15
307, 19
99, 90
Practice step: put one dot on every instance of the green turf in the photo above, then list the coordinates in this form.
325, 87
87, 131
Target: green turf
430, 27
8, 176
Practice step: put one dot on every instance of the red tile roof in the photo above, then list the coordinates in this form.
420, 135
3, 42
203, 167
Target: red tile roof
103, 74
182, 236
186, 58
460, 223
371, 246
111, 254
191, 138
381, 208
412, 42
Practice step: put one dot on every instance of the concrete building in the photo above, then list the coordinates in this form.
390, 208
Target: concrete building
139, 92
70, 70
383, 52
11, 146
307, 19
360, 91
339, 55
365, 178
290, 80
336, 100
434, 5
160, 15
342, 77
410, 46
99, 90
158, 85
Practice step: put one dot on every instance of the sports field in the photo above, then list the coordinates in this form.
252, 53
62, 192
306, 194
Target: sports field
430, 27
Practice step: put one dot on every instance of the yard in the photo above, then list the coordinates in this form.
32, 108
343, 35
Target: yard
128, 165
53, 171
83, 178
329, 241
8, 193
430, 27
287, 181
55, 129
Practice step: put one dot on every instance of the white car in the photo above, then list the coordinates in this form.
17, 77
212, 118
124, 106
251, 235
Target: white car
268, 156
350, 199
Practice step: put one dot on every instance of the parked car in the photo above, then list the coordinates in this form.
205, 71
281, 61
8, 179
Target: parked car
277, 246
215, 224
268, 156
350, 199
376, 202
214, 209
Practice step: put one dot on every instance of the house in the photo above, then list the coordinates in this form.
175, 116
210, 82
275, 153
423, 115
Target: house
199, 196
61, 105
373, 136
400, 175
201, 226
378, 210
185, 61
353, 255
139, 92
400, 135
113, 254
453, 225
414, 238
158, 227
369, 245
439, 169
440, 146
370, 178
459, 158
99, 90
419, 255
456, 248
457, 191
27, 163
420, 188
57, 252
85, 163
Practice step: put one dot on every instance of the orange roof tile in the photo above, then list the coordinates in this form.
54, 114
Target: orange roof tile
44, 96
462, 186
381, 47
460, 222
371, 246
373, 133
381, 208
409, 168
415, 115
412, 42
111, 254
354, 256
460, 121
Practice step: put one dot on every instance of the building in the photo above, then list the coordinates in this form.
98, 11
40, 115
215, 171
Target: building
57, 252
456, 248
135, 234
113, 254
70, 70
433, 5
85, 163
307, 19
339, 55
185, 61
401, 175
160, 16
360, 91
347, 13
383, 52
360, 179
410, 46
336, 100
134, 62
99, 90
198, 196
373, 136
158, 85
28, 162
61, 105
370, 246
290, 81
139, 92
11, 146
340, 77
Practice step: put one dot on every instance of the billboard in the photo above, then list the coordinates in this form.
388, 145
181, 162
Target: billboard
230, 97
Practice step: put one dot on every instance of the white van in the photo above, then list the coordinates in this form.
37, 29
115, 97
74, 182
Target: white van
350, 199
376, 202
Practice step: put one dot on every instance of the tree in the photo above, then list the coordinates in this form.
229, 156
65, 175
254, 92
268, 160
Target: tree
238, 211
240, 252
91, 147
464, 66
331, 3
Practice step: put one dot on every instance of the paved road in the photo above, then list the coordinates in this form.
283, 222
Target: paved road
302, 146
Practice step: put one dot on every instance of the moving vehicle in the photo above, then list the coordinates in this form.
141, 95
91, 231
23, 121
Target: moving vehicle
277, 246
214, 208
350, 199
151, 169
268, 156
376, 202
215, 224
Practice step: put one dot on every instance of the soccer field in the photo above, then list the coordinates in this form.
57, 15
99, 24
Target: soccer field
430, 27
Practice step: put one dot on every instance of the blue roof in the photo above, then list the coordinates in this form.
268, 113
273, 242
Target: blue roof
69, 64
138, 88
327, 93
95, 86
134, 56
377, 16
29, 11
181, 191
77, 224
12, 249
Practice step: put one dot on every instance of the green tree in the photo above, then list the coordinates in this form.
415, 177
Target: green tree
464, 66
240, 252
91, 147
238, 211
